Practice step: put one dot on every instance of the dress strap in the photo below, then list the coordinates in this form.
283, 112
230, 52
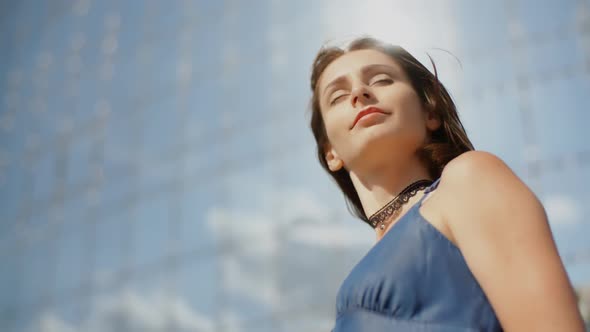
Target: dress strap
428, 190
432, 186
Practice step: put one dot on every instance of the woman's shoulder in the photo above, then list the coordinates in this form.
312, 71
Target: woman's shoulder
473, 164
502, 230
482, 195
479, 191
476, 171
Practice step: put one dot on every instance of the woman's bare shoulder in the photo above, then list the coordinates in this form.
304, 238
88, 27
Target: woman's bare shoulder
475, 173
502, 231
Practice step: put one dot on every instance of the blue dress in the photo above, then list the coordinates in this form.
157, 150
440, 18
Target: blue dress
413, 280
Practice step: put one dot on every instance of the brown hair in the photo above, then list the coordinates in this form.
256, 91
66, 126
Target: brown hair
447, 142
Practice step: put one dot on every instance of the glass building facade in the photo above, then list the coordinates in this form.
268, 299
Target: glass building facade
158, 173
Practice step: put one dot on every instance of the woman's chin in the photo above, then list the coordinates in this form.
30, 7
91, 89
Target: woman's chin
376, 132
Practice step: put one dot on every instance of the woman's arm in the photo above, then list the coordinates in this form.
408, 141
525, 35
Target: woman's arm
502, 230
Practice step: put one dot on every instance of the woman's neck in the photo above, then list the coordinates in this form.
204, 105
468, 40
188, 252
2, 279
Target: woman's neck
380, 184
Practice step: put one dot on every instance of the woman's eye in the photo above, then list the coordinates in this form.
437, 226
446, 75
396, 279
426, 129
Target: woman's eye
336, 99
382, 80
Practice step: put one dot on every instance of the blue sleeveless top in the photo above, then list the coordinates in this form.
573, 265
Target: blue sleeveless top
413, 280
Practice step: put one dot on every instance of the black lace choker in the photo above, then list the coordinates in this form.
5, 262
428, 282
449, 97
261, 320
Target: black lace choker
380, 217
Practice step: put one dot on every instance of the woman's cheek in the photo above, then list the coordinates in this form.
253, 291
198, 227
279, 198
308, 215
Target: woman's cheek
334, 126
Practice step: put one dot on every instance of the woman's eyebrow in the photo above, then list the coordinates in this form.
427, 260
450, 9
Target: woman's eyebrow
364, 71
376, 67
335, 81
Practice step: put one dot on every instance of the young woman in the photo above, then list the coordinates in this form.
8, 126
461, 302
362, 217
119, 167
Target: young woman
462, 243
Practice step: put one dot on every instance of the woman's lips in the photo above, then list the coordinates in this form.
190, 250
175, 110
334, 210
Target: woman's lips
366, 111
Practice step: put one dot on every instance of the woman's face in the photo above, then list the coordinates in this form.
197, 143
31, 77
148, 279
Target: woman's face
357, 81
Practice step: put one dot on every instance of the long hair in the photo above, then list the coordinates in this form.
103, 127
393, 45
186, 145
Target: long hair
447, 142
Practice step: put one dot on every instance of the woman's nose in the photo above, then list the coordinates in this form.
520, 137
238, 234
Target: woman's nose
361, 94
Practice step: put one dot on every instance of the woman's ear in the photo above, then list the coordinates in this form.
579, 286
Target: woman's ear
433, 121
333, 160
